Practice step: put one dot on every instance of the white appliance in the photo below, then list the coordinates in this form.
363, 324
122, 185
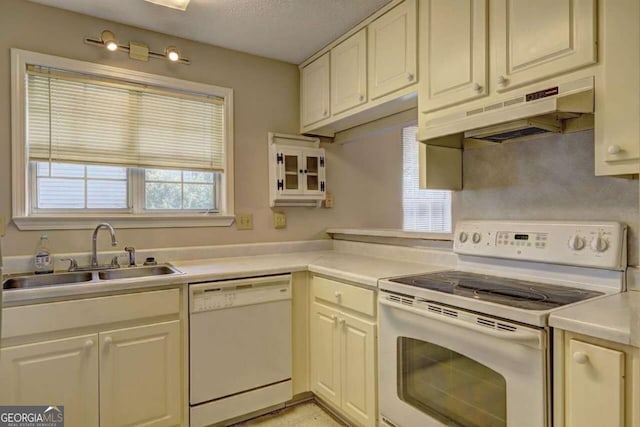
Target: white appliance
240, 347
471, 346
516, 115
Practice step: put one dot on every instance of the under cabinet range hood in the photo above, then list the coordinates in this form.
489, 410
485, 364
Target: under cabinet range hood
520, 116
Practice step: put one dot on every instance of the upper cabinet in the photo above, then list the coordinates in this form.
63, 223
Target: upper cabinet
349, 73
393, 50
369, 73
453, 57
534, 40
296, 171
315, 91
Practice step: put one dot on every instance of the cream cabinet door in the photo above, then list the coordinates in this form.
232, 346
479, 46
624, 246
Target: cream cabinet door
454, 52
594, 393
393, 50
358, 367
349, 73
533, 40
314, 171
325, 353
60, 372
315, 91
140, 371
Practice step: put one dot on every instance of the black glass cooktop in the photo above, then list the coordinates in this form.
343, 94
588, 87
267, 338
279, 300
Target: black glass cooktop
500, 290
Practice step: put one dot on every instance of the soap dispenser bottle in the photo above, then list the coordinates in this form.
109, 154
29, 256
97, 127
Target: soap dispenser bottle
43, 260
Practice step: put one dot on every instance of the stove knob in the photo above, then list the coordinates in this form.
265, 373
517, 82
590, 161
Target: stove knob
463, 236
476, 237
576, 242
599, 244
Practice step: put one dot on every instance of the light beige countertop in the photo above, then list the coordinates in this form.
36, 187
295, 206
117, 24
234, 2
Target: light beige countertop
366, 270
610, 318
358, 269
248, 266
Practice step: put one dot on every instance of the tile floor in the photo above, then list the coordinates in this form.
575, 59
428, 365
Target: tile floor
305, 414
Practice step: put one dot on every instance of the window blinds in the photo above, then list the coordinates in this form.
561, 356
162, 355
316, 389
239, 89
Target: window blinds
85, 119
423, 210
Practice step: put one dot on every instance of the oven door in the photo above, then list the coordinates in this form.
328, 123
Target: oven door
440, 366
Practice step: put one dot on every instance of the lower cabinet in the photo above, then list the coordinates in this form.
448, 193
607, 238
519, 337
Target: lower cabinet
60, 372
129, 376
594, 382
343, 357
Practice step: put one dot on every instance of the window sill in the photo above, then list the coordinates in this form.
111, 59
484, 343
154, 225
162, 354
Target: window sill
387, 232
88, 222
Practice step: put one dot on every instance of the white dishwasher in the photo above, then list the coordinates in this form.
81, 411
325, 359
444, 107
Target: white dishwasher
240, 347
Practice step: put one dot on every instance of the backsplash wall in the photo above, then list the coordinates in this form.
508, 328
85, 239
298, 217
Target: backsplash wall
547, 178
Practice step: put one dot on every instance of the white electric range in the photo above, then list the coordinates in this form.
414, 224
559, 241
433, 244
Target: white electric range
471, 346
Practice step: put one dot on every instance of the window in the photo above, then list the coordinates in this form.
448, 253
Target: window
423, 210
92, 140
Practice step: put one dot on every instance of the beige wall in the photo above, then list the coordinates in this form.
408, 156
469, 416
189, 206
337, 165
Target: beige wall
266, 99
548, 178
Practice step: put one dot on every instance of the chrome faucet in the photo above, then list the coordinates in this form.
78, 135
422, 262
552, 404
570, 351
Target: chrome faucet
94, 242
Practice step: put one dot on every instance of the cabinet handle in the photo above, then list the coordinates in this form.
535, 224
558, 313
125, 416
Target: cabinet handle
361, 97
477, 87
502, 81
614, 149
338, 295
580, 358
300, 170
88, 344
335, 319
108, 341
324, 113
410, 77
342, 322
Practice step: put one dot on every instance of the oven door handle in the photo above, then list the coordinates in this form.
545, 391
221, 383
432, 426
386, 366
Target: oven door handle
521, 336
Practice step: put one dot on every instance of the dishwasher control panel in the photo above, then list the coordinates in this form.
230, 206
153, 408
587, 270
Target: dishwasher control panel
224, 294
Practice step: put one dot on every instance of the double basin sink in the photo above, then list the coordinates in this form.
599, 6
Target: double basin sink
79, 277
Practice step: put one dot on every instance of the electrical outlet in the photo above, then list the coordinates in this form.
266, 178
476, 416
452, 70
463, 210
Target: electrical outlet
328, 200
3, 226
279, 220
244, 221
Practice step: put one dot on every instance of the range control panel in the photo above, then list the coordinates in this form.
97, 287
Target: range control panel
586, 244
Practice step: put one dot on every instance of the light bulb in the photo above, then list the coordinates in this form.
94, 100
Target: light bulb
109, 40
172, 53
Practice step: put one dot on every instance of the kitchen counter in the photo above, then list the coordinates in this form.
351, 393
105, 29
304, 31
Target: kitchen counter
609, 318
365, 270
358, 269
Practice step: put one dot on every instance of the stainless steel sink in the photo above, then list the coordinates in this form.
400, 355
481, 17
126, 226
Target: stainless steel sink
128, 273
36, 281
78, 277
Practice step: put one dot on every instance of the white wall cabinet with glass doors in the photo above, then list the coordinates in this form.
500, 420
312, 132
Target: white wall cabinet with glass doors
104, 375
296, 171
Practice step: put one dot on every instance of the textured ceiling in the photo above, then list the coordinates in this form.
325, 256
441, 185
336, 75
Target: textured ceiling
288, 30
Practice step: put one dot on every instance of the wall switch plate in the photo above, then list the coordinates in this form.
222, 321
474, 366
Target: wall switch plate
3, 225
244, 221
279, 220
328, 201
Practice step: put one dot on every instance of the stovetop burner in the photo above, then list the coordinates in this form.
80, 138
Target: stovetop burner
500, 290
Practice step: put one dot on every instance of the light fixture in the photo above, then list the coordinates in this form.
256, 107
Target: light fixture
173, 4
136, 50
109, 41
172, 53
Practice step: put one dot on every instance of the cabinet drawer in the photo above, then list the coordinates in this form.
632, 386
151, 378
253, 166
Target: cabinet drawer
343, 295
58, 316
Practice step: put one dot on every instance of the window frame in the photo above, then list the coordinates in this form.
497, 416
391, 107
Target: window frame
22, 215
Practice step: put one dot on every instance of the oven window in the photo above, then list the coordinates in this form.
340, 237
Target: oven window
449, 386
